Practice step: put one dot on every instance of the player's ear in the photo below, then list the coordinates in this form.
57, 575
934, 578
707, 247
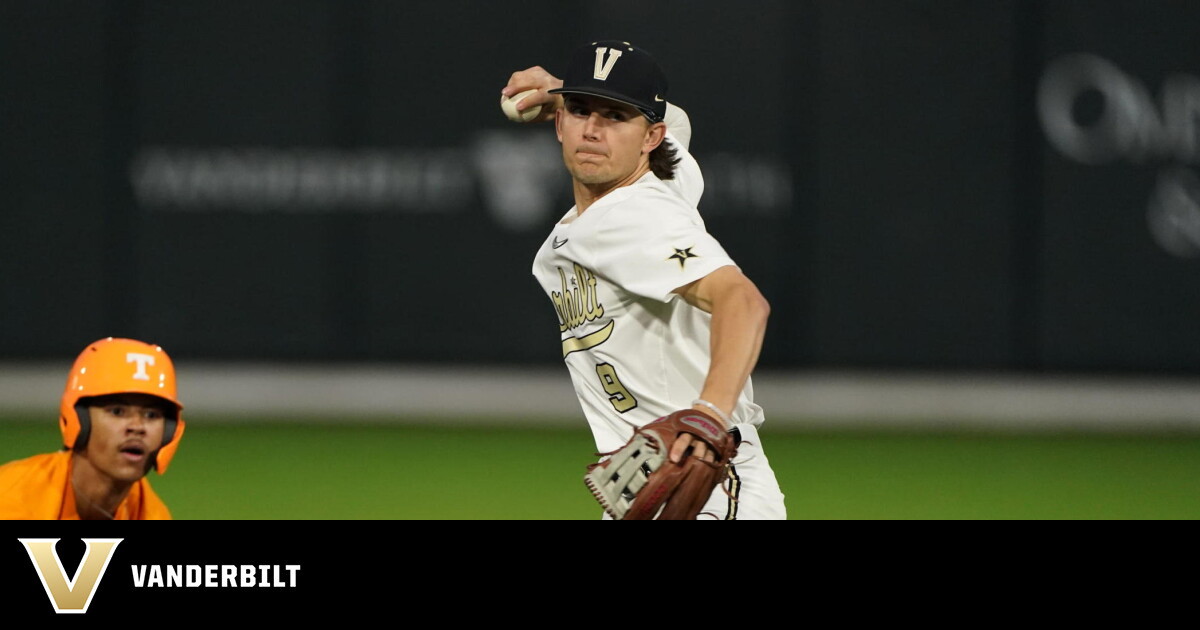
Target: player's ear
655, 134
558, 116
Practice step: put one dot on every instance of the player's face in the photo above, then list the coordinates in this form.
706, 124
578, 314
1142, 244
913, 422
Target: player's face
603, 141
126, 430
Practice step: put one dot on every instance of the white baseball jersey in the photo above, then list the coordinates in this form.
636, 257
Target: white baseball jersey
635, 350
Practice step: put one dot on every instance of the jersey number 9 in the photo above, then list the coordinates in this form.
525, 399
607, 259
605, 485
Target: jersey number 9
618, 395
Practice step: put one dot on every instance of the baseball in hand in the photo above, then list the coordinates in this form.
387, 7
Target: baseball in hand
509, 105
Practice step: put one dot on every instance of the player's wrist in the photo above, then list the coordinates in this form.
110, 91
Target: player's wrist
703, 405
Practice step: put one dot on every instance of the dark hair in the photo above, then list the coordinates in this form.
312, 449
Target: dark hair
663, 160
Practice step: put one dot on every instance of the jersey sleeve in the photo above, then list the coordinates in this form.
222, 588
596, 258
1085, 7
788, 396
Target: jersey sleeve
654, 244
688, 181
679, 124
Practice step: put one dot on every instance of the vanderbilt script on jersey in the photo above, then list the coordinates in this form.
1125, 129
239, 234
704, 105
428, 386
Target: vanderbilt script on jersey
578, 304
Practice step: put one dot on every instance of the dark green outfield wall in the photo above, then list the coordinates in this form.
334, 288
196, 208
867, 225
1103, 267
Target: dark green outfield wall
933, 184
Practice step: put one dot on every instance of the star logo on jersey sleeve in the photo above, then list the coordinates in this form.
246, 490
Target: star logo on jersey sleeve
682, 255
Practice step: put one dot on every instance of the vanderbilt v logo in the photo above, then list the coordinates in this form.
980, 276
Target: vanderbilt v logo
604, 67
75, 595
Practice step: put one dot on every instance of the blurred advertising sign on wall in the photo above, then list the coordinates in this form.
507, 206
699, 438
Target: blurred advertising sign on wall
1118, 104
1094, 113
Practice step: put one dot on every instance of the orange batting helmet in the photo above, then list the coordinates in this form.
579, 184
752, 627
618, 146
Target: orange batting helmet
121, 366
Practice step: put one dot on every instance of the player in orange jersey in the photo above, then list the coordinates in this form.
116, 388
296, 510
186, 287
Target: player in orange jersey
120, 416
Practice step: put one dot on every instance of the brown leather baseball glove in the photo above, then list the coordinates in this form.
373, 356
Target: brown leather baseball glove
638, 482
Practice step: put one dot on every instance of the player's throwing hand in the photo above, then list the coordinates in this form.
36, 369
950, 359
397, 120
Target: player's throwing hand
535, 78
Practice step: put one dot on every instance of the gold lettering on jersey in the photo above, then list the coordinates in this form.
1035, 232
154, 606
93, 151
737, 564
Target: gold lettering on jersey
575, 344
579, 304
70, 595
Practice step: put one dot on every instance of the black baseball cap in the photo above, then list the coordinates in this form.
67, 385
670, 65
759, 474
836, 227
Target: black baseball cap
620, 71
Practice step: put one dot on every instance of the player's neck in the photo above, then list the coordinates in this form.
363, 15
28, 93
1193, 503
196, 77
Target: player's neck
588, 194
97, 495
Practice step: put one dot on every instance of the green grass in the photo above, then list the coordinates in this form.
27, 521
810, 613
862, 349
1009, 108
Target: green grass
231, 470
989, 476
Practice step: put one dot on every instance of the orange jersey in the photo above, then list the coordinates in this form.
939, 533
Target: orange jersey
39, 488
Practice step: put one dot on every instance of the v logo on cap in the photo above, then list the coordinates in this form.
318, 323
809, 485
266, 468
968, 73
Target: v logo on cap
604, 67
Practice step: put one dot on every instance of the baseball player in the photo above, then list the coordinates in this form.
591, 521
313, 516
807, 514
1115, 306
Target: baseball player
654, 316
120, 417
